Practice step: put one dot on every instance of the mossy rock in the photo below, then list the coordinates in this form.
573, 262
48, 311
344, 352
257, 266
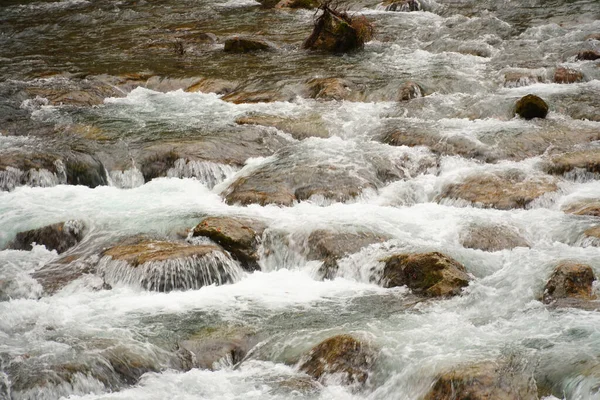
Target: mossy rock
531, 106
246, 45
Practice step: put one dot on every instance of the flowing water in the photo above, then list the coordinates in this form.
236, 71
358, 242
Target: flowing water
90, 341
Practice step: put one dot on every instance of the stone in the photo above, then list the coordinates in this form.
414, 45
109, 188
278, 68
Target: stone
593, 36
306, 4
588, 55
257, 96
410, 90
585, 160
492, 238
402, 5
331, 89
342, 355
213, 85
239, 236
426, 274
531, 106
338, 32
503, 191
569, 280
60, 236
239, 44
483, 381
311, 125
85, 169
590, 207
567, 75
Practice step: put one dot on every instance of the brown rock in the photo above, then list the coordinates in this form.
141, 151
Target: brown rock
331, 89
147, 251
567, 75
587, 160
492, 238
60, 237
513, 79
593, 233
570, 280
531, 106
238, 236
427, 274
311, 125
503, 191
484, 381
410, 90
588, 55
341, 355
209, 85
588, 207
239, 44
307, 4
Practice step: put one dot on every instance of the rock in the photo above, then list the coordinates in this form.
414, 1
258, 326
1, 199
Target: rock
60, 236
492, 238
238, 44
58, 274
402, 5
239, 236
569, 280
593, 233
218, 86
311, 125
217, 348
260, 96
73, 92
567, 75
346, 357
330, 246
483, 381
268, 3
165, 266
336, 31
585, 160
593, 36
513, 79
307, 4
503, 191
158, 164
86, 170
589, 207
426, 274
410, 90
30, 169
331, 89
531, 106
588, 55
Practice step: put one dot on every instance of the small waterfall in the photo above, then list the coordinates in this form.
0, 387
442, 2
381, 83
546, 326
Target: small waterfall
207, 172
11, 177
173, 274
127, 179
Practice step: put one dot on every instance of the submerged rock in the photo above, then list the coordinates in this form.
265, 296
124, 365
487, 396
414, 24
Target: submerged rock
330, 246
570, 280
331, 89
484, 381
239, 236
165, 266
60, 236
311, 125
588, 55
503, 191
306, 4
239, 44
585, 161
531, 106
30, 169
256, 96
427, 274
567, 75
402, 5
58, 274
492, 238
410, 90
336, 31
342, 359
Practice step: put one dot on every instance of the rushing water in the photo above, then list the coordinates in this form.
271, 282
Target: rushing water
65, 345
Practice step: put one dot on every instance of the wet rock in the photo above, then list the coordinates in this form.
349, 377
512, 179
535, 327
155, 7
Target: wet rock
531, 106
593, 36
410, 90
216, 85
482, 382
246, 45
585, 160
341, 358
158, 164
567, 75
589, 207
593, 234
217, 348
30, 169
427, 274
260, 96
503, 191
239, 236
588, 55
570, 280
311, 125
165, 266
58, 274
60, 236
402, 5
331, 89
492, 238
307, 4
513, 79
336, 31
84, 169
330, 246
73, 92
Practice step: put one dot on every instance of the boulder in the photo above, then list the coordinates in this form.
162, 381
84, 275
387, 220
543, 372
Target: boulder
342, 358
593, 233
567, 75
584, 160
483, 381
239, 236
531, 106
330, 246
336, 31
331, 89
410, 90
427, 274
60, 236
311, 125
165, 266
85, 169
503, 191
239, 44
589, 207
588, 55
402, 5
307, 4
593, 36
569, 280
492, 238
